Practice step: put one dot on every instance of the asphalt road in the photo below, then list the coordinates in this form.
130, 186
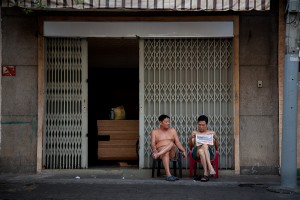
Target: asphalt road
89, 188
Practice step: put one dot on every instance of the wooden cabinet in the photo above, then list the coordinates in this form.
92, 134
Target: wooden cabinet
118, 139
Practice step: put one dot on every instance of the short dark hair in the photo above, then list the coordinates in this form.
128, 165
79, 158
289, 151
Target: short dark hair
203, 118
162, 117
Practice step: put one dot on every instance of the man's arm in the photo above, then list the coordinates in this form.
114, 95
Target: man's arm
216, 141
191, 143
153, 144
178, 144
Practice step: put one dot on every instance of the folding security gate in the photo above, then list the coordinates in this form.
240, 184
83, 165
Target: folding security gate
65, 112
185, 78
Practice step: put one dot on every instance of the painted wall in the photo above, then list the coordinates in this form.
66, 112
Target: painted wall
19, 94
258, 106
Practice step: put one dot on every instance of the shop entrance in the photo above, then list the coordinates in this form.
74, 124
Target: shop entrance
182, 77
113, 71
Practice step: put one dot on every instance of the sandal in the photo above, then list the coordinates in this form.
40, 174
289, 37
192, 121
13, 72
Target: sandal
204, 179
171, 178
176, 178
197, 178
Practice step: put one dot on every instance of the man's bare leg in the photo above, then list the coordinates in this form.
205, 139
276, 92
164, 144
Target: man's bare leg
207, 156
166, 162
165, 149
201, 153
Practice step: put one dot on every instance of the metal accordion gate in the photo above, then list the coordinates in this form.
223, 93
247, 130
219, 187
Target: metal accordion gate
185, 78
65, 105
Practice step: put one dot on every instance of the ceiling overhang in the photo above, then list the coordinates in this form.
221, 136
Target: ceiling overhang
147, 5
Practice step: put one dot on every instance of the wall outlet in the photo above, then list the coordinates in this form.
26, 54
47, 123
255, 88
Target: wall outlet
259, 84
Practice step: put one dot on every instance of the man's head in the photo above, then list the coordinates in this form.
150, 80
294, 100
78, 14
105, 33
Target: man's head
164, 121
162, 117
202, 123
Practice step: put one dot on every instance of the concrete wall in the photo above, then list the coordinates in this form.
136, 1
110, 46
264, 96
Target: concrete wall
258, 106
19, 93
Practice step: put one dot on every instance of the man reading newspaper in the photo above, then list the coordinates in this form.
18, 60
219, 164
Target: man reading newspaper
202, 142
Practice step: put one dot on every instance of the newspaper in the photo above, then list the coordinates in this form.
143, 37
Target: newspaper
204, 139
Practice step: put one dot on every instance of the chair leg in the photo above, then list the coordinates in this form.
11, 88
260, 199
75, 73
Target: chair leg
195, 168
191, 166
158, 167
175, 167
153, 167
158, 163
217, 172
180, 167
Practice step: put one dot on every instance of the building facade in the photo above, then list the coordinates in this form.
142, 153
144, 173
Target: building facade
70, 66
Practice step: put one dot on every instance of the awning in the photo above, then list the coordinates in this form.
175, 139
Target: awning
180, 5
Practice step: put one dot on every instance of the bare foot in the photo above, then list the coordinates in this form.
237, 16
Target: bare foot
155, 156
212, 171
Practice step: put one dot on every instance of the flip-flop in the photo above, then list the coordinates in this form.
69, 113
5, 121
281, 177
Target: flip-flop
204, 179
176, 178
170, 178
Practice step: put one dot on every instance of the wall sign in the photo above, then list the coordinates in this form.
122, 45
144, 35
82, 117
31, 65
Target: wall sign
8, 70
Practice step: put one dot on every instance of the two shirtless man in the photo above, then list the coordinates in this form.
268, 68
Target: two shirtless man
165, 139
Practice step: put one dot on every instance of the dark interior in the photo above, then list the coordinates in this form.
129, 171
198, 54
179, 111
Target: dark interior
113, 80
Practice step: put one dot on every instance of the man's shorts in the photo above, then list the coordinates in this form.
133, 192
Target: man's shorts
211, 150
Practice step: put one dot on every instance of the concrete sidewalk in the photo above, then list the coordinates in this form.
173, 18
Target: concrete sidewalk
143, 176
132, 184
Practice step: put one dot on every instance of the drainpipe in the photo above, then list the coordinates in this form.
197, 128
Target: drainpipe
290, 99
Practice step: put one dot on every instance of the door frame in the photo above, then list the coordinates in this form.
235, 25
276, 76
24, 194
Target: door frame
234, 19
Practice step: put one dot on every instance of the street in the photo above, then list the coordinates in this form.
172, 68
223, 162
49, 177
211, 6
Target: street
56, 187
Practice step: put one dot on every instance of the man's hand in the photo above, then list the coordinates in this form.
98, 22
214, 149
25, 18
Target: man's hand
184, 154
154, 150
193, 135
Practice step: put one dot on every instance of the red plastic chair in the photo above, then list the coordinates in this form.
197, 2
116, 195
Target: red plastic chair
214, 162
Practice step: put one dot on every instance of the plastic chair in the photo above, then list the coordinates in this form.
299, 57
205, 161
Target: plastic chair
214, 162
157, 163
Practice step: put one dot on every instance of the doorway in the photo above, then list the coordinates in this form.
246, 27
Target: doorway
113, 80
108, 60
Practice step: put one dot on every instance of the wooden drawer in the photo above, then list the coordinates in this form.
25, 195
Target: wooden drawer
122, 138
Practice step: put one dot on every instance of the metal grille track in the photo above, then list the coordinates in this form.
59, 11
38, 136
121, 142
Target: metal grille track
63, 104
185, 78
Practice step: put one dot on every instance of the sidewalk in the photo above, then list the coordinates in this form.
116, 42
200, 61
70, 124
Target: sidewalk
131, 184
133, 176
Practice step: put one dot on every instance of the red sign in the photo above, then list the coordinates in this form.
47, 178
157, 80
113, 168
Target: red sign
8, 70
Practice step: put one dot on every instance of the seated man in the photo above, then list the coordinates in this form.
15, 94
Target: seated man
163, 143
204, 152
